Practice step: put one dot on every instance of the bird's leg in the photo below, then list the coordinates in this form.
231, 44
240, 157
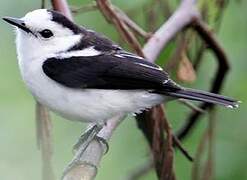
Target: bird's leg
88, 136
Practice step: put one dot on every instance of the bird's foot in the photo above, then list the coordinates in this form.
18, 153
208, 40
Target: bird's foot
104, 142
90, 135
86, 138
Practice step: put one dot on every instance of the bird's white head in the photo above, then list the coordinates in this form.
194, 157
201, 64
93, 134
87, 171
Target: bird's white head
42, 33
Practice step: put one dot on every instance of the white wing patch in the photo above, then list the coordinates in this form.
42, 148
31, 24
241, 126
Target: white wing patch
118, 55
131, 55
126, 55
152, 67
165, 81
90, 51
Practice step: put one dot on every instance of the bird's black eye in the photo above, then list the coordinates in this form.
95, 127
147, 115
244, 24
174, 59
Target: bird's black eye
46, 33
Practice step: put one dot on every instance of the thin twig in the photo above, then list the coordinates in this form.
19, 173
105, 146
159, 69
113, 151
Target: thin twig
42, 4
210, 39
150, 16
209, 165
177, 55
112, 16
195, 173
43, 124
165, 7
207, 139
132, 25
167, 168
85, 8
191, 106
153, 129
179, 145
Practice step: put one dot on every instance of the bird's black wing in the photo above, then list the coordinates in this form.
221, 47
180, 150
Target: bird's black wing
123, 71
109, 71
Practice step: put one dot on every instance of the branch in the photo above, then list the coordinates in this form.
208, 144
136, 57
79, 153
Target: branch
182, 17
167, 166
86, 167
62, 6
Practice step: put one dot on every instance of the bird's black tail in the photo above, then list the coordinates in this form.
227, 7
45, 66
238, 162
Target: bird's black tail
203, 96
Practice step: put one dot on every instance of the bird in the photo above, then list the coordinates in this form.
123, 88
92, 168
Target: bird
84, 76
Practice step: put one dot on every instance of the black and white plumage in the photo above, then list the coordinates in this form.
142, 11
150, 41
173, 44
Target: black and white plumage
85, 76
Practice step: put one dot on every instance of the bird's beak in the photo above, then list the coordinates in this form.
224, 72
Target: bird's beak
18, 23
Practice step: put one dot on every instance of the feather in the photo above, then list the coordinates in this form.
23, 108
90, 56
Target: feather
198, 95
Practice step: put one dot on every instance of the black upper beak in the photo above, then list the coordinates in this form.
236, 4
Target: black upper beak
18, 23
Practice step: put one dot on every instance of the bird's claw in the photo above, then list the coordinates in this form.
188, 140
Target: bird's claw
86, 138
104, 142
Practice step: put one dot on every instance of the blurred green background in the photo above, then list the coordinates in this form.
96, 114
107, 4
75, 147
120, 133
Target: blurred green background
20, 159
